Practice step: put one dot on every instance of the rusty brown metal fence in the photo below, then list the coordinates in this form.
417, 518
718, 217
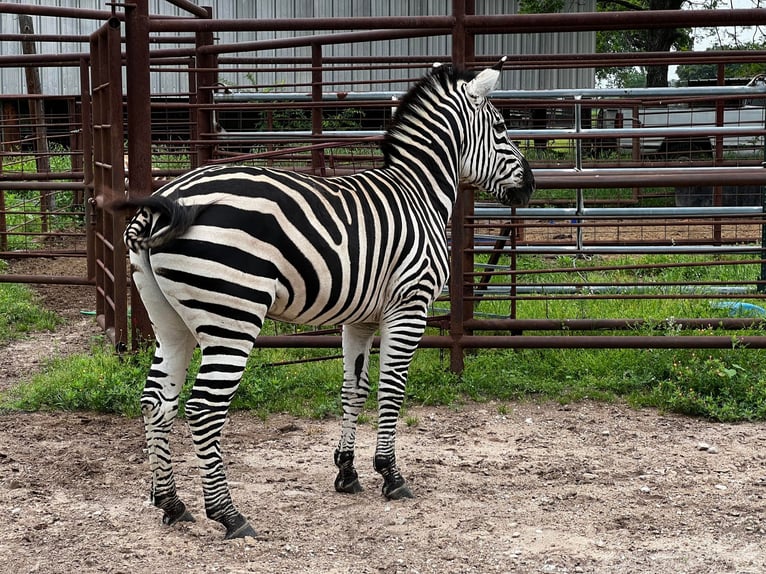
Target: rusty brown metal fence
607, 216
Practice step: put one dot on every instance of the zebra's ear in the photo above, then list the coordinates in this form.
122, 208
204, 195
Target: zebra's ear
485, 81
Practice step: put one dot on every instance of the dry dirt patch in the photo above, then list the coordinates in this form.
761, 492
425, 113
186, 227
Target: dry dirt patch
542, 488
545, 488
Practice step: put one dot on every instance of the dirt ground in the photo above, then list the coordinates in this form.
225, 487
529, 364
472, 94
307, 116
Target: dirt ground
516, 487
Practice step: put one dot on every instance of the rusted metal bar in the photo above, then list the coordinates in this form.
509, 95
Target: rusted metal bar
628, 20
37, 107
55, 11
193, 9
47, 279
86, 116
459, 266
538, 342
139, 132
317, 112
206, 80
47, 185
325, 39
302, 24
610, 324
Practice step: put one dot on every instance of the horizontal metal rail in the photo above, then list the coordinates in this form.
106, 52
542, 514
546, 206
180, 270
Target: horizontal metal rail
537, 341
565, 96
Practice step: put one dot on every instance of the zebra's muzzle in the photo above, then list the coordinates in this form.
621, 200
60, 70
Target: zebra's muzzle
519, 195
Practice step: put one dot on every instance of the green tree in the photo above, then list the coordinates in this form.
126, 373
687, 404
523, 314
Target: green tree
660, 40
689, 72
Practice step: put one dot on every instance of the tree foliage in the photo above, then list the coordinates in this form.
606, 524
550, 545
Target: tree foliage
691, 72
660, 40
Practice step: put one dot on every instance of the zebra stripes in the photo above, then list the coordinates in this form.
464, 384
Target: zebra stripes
221, 248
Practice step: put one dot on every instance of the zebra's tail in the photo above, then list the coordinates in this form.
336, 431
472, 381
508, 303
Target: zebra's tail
159, 219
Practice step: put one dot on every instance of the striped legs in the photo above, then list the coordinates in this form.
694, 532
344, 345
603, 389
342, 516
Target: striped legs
206, 411
159, 406
159, 400
357, 340
399, 340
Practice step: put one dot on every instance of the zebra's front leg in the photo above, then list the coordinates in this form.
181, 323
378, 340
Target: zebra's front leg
398, 342
357, 340
206, 411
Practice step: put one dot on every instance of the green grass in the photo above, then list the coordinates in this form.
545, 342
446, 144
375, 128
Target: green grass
20, 312
723, 385
726, 385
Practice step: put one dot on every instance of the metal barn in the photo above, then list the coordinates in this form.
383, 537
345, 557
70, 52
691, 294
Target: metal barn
62, 36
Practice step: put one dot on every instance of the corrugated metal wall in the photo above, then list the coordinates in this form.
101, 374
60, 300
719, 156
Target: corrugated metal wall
66, 80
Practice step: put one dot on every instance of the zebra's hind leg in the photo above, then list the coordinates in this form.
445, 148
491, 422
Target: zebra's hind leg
399, 340
206, 411
159, 406
357, 340
159, 400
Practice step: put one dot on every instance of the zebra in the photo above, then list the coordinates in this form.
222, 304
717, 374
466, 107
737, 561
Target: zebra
220, 249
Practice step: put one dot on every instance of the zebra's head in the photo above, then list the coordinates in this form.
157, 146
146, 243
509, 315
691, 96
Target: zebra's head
489, 159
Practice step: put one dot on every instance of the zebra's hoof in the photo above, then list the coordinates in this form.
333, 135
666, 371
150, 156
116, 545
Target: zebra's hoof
352, 487
239, 528
397, 493
177, 514
347, 480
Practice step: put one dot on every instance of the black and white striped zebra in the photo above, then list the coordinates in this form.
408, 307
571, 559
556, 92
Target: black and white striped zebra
221, 248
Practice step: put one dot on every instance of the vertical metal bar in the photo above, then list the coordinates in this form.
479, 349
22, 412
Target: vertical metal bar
719, 121
463, 207
86, 117
138, 92
317, 155
761, 288
3, 223
97, 73
115, 222
458, 33
207, 79
578, 167
513, 264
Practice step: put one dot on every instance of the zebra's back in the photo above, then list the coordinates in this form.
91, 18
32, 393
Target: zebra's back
315, 250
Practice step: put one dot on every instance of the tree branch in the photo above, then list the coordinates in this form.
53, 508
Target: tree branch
624, 3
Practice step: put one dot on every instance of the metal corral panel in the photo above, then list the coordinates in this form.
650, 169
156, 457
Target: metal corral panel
66, 80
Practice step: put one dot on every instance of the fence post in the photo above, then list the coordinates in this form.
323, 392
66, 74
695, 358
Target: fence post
317, 115
460, 259
139, 132
206, 81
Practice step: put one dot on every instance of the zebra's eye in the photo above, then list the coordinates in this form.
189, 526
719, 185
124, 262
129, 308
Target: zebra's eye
500, 127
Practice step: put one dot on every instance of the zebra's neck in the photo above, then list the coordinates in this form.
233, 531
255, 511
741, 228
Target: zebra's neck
425, 163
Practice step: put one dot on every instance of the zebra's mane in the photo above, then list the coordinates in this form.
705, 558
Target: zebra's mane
442, 78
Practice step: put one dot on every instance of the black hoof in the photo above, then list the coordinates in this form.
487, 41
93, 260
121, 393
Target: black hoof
394, 485
185, 516
353, 487
347, 481
238, 527
398, 493
175, 512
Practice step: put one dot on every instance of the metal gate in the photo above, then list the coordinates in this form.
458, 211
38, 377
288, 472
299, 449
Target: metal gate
109, 182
